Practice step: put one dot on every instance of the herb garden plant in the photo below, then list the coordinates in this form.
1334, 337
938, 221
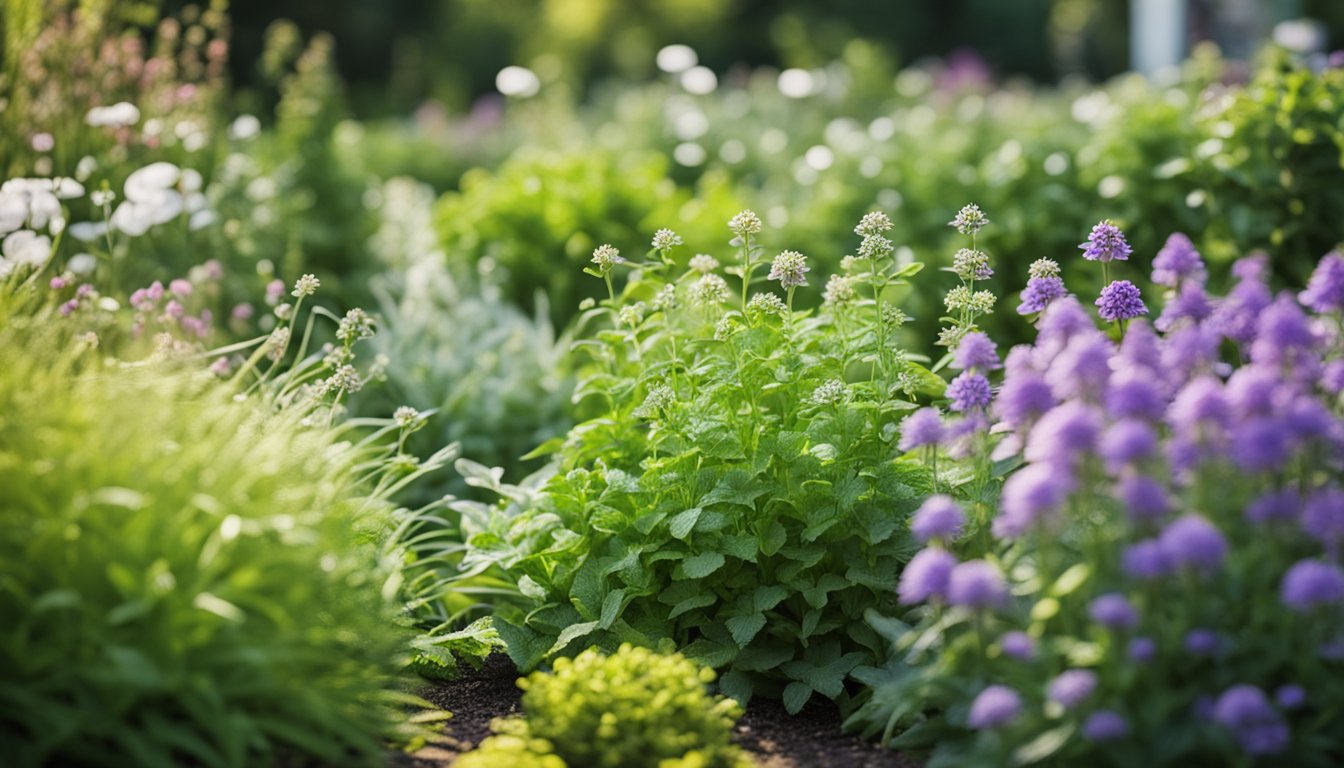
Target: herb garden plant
743, 491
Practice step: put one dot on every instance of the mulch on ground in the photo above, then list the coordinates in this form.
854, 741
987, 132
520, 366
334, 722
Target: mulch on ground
810, 739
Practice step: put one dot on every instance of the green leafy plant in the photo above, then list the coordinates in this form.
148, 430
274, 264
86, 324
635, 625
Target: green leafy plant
185, 578
632, 709
742, 491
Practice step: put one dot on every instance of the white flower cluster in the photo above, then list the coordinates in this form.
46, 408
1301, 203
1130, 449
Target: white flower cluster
26, 207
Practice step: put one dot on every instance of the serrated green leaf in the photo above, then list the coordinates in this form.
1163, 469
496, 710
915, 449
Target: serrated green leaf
742, 546
570, 634
711, 654
796, 695
767, 596
703, 564
773, 538
691, 603
681, 524
611, 608
744, 628
736, 685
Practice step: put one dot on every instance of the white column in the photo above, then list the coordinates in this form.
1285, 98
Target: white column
1156, 34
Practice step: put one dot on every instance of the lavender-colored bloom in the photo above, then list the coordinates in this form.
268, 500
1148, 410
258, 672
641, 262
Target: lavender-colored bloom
1017, 645
1062, 321
1325, 290
1190, 303
1254, 389
1023, 397
1121, 300
1332, 377
1105, 725
1135, 394
1142, 650
926, 576
1072, 687
1127, 442
1178, 260
1144, 498
1082, 367
1261, 444
1029, 496
1323, 517
1040, 293
1113, 611
1193, 542
1290, 696
1065, 434
1282, 504
996, 706
1188, 350
1283, 333
1246, 712
977, 351
1310, 584
976, 584
1307, 418
1106, 243
1145, 560
1202, 642
1252, 268
969, 391
1200, 403
1140, 348
1238, 315
939, 517
921, 428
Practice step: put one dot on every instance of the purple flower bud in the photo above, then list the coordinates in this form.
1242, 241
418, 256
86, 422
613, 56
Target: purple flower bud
1140, 348
1245, 711
969, 391
1113, 611
1283, 333
996, 706
1202, 642
1030, 496
1190, 303
1106, 243
1072, 687
1105, 725
1082, 367
1323, 517
1177, 261
1199, 404
1143, 497
1121, 300
976, 584
1127, 442
1290, 696
921, 428
926, 576
1023, 397
1261, 444
180, 288
976, 351
939, 517
1283, 504
1135, 394
1065, 434
1040, 293
1325, 290
1017, 645
1193, 542
1145, 560
1310, 584
1142, 650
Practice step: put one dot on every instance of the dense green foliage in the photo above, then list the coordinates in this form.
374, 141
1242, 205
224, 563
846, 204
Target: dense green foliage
740, 491
183, 578
636, 708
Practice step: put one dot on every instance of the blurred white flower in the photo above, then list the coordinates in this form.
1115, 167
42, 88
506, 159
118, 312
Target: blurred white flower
87, 231
201, 219
244, 127
13, 211
26, 247
147, 182
517, 81
67, 188
675, 59
82, 263
191, 180
118, 115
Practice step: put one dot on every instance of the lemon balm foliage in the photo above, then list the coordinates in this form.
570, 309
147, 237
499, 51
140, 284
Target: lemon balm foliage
742, 491
631, 709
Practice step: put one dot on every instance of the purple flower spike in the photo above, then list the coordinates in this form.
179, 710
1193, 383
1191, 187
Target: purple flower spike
921, 428
1145, 560
1121, 300
1113, 611
1106, 243
976, 584
995, 707
1310, 584
1072, 687
969, 391
1017, 645
1193, 542
1323, 517
1142, 650
1325, 291
1246, 712
1065, 434
1202, 642
939, 517
926, 576
977, 351
1177, 261
1105, 725
1040, 293
1031, 496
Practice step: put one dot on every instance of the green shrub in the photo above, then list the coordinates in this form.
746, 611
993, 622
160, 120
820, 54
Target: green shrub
184, 579
740, 491
632, 709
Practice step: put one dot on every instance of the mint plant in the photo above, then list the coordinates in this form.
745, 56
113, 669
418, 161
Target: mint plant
741, 491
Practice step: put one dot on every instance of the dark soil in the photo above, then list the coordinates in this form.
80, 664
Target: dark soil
810, 739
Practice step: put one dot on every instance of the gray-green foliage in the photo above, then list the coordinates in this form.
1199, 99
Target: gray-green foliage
495, 379
184, 579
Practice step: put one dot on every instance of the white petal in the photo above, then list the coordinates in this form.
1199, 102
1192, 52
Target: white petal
82, 264
201, 219
68, 189
87, 231
153, 178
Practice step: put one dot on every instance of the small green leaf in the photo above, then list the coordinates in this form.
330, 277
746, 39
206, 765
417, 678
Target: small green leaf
1070, 580
611, 608
744, 628
570, 634
681, 523
702, 565
774, 537
795, 697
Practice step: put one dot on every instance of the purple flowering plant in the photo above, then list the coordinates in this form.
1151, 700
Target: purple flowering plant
1177, 515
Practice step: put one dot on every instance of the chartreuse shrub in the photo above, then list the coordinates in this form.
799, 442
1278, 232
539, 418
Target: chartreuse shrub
1161, 583
184, 579
741, 491
632, 709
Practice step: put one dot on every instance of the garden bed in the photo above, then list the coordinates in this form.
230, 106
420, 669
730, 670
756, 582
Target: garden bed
810, 739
